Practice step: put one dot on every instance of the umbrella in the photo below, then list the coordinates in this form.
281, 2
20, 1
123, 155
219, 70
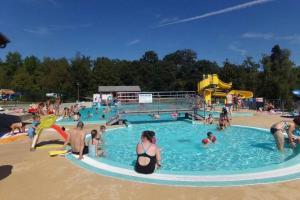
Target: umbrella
6, 91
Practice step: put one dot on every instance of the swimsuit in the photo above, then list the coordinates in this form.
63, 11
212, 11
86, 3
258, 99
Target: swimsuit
92, 149
150, 167
85, 151
285, 128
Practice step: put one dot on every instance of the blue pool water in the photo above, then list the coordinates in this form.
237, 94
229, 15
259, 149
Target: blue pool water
99, 114
236, 149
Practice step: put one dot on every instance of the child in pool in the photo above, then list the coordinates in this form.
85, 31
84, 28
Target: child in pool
210, 138
222, 122
93, 144
89, 114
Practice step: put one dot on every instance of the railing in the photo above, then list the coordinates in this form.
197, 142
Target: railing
133, 97
162, 102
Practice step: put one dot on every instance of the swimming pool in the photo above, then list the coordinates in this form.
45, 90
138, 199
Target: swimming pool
99, 114
240, 156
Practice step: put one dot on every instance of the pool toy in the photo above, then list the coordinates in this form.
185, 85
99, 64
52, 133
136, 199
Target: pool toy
213, 139
205, 141
50, 146
47, 122
57, 152
211, 85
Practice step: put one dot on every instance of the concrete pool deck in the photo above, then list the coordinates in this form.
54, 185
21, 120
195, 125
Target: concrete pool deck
35, 175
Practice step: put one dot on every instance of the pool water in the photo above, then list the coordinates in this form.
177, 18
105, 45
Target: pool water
236, 149
98, 114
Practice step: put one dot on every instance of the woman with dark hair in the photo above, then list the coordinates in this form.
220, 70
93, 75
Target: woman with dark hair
148, 154
94, 144
280, 128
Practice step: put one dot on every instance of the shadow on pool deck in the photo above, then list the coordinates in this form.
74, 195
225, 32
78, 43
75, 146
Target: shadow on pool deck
5, 171
49, 142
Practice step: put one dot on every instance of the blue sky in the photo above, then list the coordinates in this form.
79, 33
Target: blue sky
125, 29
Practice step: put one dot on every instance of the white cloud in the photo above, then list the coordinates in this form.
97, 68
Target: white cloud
271, 36
168, 20
133, 42
218, 12
43, 30
235, 48
265, 36
39, 30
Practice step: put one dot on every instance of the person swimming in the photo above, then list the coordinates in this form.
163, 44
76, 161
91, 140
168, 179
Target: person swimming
210, 138
89, 115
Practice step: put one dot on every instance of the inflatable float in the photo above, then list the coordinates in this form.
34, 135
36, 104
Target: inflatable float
57, 152
47, 122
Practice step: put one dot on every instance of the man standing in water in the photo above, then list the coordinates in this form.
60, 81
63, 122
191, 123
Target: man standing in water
76, 138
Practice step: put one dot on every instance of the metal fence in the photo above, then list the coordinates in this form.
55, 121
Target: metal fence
166, 101
268, 104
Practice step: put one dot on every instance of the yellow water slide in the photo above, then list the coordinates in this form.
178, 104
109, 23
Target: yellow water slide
211, 85
243, 94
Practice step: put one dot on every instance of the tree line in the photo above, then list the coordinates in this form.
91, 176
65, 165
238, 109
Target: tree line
273, 77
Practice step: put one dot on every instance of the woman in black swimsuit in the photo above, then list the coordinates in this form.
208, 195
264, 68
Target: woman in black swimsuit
148, 154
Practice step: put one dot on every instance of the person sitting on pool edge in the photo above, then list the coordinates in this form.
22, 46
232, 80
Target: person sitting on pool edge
76, 138
278, 129
209, 120
148, 154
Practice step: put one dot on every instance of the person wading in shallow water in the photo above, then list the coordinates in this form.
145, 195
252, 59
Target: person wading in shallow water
280, 128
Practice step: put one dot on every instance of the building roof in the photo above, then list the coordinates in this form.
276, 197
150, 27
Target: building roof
119, 89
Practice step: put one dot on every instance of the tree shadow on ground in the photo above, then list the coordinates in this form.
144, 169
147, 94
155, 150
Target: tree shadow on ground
5, 171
